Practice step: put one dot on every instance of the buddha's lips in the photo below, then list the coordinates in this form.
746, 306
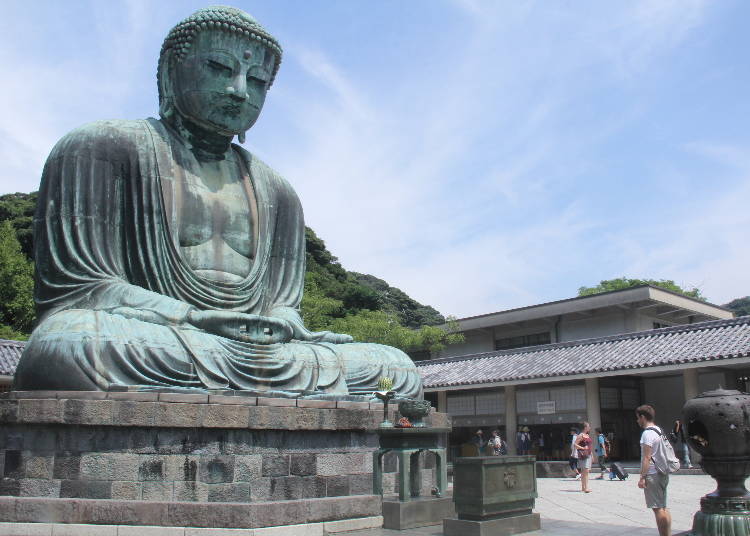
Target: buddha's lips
236, 108
231, 109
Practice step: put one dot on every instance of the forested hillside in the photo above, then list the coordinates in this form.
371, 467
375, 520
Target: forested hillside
337, 300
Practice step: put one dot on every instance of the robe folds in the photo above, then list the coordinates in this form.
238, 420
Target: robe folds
113, 292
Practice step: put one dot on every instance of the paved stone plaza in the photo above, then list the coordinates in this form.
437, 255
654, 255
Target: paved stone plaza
613, 508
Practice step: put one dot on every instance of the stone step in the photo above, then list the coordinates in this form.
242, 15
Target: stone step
308, 529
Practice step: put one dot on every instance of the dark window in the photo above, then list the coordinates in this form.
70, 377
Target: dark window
533, 339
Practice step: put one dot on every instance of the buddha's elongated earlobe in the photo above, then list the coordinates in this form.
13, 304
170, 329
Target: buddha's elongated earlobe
164, 81
241, 137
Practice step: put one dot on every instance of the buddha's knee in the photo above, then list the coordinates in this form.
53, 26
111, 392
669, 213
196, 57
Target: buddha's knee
51, 358
371, 354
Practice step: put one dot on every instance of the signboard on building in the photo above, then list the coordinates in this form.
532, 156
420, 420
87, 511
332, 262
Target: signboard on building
545, 408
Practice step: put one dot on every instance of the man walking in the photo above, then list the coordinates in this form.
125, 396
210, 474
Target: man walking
601, 452
652, 482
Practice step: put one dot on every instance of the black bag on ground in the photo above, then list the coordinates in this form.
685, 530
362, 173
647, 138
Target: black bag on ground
618, 470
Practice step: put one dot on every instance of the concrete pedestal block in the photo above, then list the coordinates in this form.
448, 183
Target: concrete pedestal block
491, 527
419, 512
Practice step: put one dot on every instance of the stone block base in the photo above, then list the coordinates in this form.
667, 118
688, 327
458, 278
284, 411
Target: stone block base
308, 529
492, 527
162, 446
419, 512
186, 514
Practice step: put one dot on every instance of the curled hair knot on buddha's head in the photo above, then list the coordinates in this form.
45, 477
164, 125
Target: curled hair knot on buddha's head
222, 18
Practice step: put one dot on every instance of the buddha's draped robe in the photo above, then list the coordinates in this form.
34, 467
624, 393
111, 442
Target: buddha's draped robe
112, 290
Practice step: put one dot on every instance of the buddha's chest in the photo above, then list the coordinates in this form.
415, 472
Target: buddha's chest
216, 220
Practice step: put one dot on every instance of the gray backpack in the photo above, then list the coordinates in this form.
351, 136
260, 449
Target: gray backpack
663, 455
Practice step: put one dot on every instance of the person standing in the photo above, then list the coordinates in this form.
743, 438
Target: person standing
573, 460
601, 452
652, 482
678, 435
542, 455
583, 444
496, 442
479, 442
526, 441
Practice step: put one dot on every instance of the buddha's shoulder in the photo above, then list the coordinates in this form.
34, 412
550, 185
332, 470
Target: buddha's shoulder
260, 169
106, 138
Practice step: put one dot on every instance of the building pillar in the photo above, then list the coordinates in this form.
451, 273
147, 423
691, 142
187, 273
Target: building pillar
690, 383
511, 424
593, 406
442, 402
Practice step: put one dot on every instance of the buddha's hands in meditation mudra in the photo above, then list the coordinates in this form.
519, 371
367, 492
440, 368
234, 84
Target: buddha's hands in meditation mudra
258, 329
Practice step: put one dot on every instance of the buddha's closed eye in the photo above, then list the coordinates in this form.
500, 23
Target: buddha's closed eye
219, 68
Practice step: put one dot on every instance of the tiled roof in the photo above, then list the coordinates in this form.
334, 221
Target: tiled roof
705, 341
10, 353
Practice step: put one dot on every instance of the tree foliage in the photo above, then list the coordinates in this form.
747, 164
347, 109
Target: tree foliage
620, 283
16, 286
365, 307
740, 306
396, 302
18, 209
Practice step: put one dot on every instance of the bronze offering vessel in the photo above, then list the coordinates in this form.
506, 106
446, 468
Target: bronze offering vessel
718, 428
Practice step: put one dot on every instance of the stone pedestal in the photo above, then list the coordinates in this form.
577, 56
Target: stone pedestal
493, 495
419, 512
492, 527
147, 458
407, 444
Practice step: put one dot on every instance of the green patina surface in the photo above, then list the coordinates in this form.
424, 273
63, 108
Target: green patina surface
494, 487
168, 257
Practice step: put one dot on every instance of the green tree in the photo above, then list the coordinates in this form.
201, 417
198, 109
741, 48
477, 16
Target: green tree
624, 282
19, 209
383, 328
16, 286
740, 306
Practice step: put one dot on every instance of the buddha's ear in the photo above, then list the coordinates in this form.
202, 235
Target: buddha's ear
241, 137
166, 89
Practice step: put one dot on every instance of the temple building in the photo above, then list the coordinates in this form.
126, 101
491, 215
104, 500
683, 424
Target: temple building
10, 353
596, 358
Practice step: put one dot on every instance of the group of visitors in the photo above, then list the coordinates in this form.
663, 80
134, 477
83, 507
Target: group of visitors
582, 447
494, 446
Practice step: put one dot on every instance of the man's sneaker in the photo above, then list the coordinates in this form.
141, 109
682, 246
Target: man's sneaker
578, 476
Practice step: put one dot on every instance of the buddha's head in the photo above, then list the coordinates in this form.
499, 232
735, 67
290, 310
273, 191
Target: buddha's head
214, 70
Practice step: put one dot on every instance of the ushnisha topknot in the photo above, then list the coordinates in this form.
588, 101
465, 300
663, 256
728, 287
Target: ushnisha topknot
224, 18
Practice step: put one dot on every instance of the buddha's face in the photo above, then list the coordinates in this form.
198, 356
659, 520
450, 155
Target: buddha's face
221, 84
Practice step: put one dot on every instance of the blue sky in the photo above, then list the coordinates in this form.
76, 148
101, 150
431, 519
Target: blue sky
477, 155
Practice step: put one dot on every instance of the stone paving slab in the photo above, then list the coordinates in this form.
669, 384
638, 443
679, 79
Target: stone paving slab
613, 508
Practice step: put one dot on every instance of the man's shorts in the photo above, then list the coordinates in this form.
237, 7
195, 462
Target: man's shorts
656, 490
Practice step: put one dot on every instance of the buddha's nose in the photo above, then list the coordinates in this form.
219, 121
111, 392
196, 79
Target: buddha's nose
238, 89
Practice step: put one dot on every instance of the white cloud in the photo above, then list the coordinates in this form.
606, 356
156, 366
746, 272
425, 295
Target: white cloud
703, 244
51, 94
394, 192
